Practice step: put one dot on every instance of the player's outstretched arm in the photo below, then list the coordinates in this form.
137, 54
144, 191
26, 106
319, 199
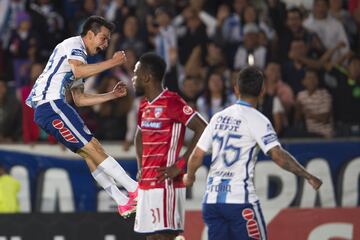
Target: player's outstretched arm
195, 161
286, 161
82, 99
82, 70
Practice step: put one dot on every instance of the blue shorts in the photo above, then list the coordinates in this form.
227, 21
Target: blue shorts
62, 121
234, 221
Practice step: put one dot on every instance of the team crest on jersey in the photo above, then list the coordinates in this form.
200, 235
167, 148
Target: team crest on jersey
187, 110
158, 111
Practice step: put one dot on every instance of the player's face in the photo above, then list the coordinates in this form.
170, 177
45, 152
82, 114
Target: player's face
137, 79
100, 41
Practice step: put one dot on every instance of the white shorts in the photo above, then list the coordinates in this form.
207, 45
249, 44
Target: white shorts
160, 209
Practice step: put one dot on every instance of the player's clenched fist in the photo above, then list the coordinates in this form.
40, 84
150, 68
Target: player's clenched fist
120, 89
119, 57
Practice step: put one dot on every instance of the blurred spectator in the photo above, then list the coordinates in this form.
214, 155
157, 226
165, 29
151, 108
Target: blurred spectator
193, 35
347, 96
232, 28
329, 29
128, 39
9, 10
22, 41
190, 91
275, 86
314, 105
293, 70
223, 12
165, 39
292, 29
215, 98
215, 60
251, 53
337, 11
10, 116
9, 188
111, 115
87, 9
47, 20
31, 133
197, 7
272, 108
250, 15
113, 11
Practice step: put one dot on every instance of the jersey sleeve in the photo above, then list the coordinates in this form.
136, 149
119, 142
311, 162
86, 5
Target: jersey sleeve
76, 52
180, 110
263, 132
205, 141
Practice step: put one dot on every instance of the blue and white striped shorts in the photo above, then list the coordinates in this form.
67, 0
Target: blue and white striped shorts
59, 119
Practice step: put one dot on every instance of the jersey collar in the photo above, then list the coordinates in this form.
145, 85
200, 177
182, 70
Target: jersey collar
164, 90
244, 103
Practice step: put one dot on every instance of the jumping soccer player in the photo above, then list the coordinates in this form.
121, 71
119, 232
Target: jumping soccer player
66, 69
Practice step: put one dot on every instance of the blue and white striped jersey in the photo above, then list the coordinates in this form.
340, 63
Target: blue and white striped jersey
235, 135
57, 74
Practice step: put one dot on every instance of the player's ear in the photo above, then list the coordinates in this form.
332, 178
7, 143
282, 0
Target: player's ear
236, 90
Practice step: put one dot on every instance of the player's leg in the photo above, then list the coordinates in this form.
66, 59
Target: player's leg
108, 164
217, 225
61, 120
244, 222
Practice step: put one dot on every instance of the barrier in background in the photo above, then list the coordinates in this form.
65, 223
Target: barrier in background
63, 184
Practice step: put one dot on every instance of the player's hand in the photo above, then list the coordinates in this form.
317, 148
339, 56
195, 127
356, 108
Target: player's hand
120, 89
315, 182
119, 57
188, 180
167, 173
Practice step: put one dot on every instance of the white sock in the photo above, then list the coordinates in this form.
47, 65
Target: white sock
108, 184
112, 168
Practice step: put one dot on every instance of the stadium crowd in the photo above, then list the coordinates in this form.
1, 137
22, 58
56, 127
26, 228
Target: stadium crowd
308, 49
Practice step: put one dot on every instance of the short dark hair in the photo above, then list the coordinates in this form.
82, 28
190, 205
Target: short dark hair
153, 64
94, 24
325, 1
250, 81
296, 10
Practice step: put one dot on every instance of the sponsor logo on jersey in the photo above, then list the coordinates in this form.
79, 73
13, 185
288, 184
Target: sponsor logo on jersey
227, 123
251, 224
269, 138
65, 133
150, 124
187, 110
158, 111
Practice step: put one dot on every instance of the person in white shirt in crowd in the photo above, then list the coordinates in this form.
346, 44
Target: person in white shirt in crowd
250, 53
328, 28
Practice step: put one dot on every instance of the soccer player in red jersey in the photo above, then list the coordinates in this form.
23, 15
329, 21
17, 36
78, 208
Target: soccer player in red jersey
162, 119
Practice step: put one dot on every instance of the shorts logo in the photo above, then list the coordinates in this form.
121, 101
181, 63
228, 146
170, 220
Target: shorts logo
187, 110
67, 135
251, 224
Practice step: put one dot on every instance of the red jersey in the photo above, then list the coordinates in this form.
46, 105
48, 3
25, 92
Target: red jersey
162, 123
